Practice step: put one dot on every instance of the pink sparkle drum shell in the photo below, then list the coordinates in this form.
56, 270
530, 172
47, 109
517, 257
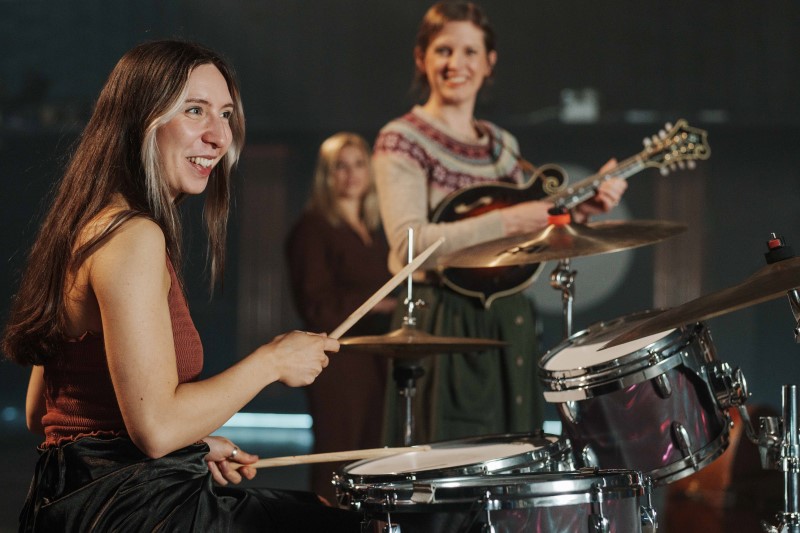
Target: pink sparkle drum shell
645, 405
545, 502
477, 456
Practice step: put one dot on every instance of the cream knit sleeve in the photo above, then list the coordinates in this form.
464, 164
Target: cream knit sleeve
403, 198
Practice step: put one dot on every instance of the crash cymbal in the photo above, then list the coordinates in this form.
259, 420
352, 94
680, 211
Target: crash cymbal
562, 242
769, 282
412, 343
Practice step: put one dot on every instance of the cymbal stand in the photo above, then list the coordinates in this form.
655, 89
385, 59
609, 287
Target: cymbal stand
406, 375
563, 279
778, 439
778, 446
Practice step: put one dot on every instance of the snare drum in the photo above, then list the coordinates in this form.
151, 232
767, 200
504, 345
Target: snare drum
476, 456
587, 501
653, 405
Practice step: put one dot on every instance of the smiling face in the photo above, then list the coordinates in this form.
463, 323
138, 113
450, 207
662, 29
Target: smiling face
456, 63
198, 136
350, 174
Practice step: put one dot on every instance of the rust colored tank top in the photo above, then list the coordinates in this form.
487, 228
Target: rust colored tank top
79, 394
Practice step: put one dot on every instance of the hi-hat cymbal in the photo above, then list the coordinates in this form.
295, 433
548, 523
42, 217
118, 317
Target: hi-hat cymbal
562, 242
769, 282
412, 343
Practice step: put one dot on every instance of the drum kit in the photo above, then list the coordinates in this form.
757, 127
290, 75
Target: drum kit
643, 401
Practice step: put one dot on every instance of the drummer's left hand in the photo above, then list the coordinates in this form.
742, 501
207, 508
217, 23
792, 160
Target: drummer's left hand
607, 197
224, 463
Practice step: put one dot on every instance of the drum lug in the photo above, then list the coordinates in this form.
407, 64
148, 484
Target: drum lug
570, 411
597, 522
589, 458
369, 527
390, 528
709, 352
663, 386
684, 442
344, 497
423, 493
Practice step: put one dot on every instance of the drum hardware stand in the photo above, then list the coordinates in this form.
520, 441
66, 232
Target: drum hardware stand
648, 514
490, 506
778, 251
406, 376
778, 445
794, 302
778, 440
563, 279
389, 527
598, 523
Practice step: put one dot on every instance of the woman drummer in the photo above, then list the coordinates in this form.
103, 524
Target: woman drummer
101, 316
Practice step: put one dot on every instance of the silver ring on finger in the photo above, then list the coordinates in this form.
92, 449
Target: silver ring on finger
234, 453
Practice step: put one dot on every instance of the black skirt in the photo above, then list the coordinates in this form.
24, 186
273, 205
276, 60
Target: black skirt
109, 485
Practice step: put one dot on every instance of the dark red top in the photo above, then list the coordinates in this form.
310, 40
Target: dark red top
79, 394
333, 272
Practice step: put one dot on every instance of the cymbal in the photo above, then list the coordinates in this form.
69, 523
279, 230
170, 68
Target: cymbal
768, 283
562, 242
412, 343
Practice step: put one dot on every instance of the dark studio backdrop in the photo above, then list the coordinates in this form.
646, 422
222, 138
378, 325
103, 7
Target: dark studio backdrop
577, 82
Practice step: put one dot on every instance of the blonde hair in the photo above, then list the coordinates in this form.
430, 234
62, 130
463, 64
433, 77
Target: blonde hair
323, 198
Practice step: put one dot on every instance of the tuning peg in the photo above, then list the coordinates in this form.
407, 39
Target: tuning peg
691, 165
664, 171
673, 167
662, 134
682, 164
647, 142
668, 126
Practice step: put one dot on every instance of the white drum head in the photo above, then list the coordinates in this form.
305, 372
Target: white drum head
590, 354
439, 458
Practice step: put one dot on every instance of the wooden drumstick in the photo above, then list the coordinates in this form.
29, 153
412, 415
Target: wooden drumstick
384, 291
334, 457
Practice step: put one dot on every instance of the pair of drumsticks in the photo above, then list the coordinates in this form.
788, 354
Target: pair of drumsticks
369, 453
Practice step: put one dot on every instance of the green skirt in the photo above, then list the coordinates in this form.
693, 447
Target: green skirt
477, 393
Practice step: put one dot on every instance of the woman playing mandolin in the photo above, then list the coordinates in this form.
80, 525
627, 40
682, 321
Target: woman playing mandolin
438, 148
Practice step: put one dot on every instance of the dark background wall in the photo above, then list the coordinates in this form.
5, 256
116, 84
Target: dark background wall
310, 68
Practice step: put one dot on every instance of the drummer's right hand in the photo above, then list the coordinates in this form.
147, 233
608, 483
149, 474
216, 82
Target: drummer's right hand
525, 217
299, 357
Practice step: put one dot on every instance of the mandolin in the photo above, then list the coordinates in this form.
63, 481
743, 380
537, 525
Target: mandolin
676, 146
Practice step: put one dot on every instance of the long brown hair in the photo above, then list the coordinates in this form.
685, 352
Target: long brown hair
434, 20
323, 199
117, 155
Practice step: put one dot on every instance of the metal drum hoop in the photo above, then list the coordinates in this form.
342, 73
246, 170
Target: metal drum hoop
507, 491
674, 349
549, 449
552, 453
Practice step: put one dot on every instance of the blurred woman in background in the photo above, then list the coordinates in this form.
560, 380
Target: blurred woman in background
337, 259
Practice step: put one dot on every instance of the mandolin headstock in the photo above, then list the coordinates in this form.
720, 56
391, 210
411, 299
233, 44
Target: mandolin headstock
675, 147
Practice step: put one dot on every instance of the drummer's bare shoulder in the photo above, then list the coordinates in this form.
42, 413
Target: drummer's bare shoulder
134, 255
